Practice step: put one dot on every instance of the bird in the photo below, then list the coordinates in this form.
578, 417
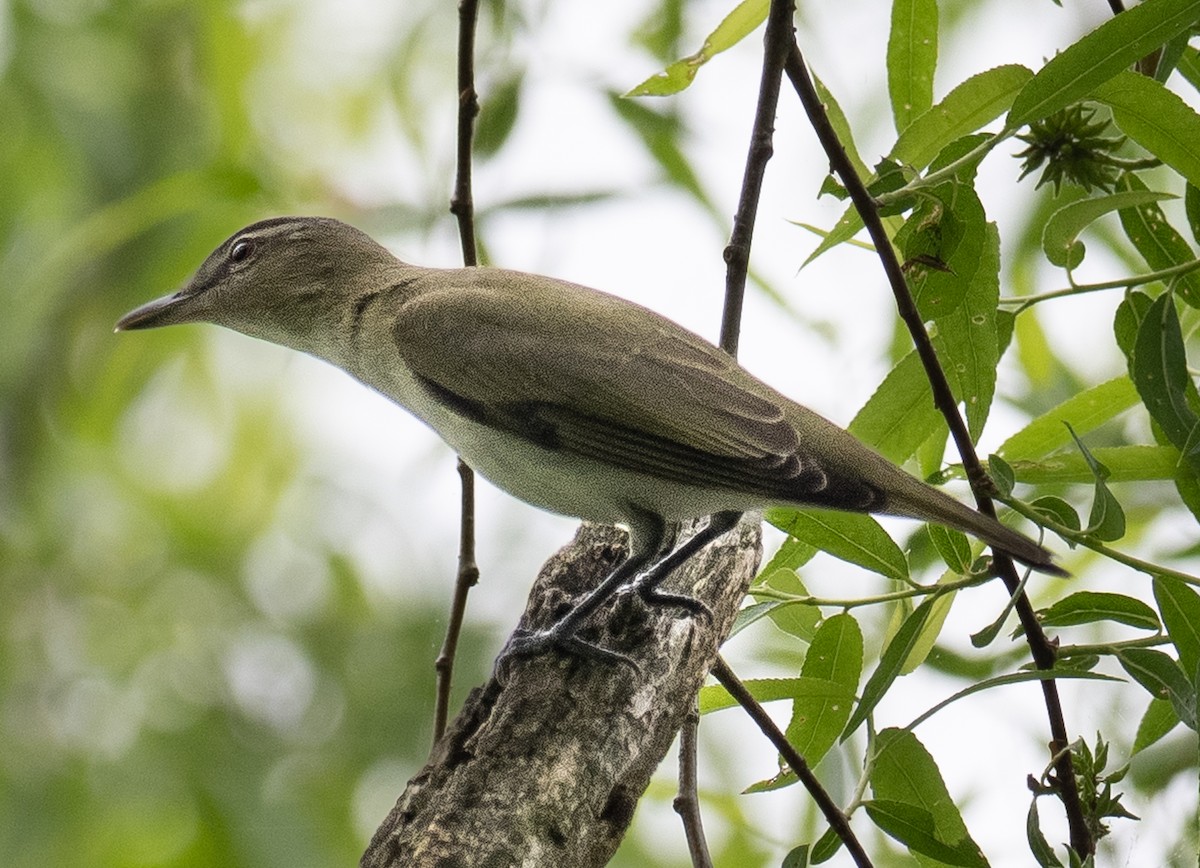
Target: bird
571, 399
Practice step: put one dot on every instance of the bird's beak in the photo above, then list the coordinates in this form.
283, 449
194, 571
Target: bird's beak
178, 307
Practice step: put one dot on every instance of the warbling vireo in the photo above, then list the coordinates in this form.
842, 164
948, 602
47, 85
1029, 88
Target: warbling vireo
573, 400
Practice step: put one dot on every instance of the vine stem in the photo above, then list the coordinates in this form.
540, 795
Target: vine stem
1041, 649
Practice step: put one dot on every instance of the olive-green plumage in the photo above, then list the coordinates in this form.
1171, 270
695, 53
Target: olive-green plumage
571, 399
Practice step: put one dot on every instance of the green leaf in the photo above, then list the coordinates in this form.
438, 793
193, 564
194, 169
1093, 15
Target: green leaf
714, 697
911, 58
967, 108
890, 663
797, 857
1116, 44
1191, 204
953, 548
1084, 412
1107, 519
835, 657
736, 26
1086, 607
1180, 608
1039, 847
826, 847
930, 630
905, 772
914, 828
948, 228
1161, 246
1154, 117
1001, 474
1162, 676
498, 114
1161, 376
1062, 229
900, 415
967, 340
852, 537
1126, 322
1058, 510
841, 126
1125, 464
792, 618
1160, 718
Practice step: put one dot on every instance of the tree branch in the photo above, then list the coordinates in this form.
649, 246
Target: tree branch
1041, 649
462, 206
546, 766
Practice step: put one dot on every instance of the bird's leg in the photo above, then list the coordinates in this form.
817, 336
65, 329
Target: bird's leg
647, 586
645, 541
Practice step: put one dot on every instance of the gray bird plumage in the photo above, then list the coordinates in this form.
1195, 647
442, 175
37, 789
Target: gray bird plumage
571, 399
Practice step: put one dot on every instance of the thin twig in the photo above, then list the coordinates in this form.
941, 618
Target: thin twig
737, 268
1026, 301
463, 208
833, 814
737, 252
687, 802
1040, 647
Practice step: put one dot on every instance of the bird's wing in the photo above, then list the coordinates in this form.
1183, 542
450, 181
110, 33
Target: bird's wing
575, 369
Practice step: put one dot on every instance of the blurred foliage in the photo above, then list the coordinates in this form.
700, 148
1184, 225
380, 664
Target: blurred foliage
194, 672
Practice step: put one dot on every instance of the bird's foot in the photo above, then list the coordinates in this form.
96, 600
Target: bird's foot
652, 596
562, 637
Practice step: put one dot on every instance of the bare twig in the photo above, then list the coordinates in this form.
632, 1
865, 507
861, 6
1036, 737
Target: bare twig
737, 252
833, 814
687, 803
463, 208
1041, 649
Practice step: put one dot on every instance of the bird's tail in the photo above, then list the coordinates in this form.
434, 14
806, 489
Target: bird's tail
936, 506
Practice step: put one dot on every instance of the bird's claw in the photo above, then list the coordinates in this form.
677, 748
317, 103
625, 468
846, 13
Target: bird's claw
525, 644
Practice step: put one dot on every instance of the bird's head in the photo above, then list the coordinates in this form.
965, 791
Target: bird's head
284, 280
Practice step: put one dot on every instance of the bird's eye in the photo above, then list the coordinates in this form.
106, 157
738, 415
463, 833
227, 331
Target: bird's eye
241, 251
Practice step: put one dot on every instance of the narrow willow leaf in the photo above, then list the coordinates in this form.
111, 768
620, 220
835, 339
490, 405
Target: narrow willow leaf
1162, 379
797, 857
1155, 118
1107, 519
736, 26
1062, 229
966, 109
912, 58
890, 663
1160, 718
1162, 676
1180, 608
841, 126
792, 618
967, 338
1058, 510
914, 828
834, 657
1084, 412
1039, 847
826, 847
852, 537
1002, 474
932, 628
1126, 322
900, 415
714, 697
1191, 204
1125, 464
947, 228
1087, 607
952, 546
904, 771
1161, 246
1116, 44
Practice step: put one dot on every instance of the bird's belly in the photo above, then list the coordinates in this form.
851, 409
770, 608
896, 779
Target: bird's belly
569, 484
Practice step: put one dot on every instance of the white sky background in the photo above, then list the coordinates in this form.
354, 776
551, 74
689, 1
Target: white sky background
395, 500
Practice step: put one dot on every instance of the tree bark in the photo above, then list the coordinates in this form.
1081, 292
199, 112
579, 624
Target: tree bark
545, 765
